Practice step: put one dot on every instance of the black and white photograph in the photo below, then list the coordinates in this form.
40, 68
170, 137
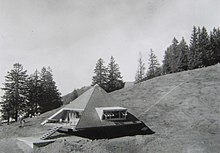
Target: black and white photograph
109, 76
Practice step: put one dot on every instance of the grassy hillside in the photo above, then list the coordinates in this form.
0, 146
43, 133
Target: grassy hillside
183, 109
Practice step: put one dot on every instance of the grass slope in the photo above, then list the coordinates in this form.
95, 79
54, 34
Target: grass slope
183, 109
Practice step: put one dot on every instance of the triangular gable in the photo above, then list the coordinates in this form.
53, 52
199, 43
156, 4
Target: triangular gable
90, 118
81, 101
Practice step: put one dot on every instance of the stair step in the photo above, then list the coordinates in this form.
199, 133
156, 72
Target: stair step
50, 132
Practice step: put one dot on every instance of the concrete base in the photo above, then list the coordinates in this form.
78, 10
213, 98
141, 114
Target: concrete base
31, 141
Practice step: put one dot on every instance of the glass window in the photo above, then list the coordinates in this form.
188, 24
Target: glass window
114, 115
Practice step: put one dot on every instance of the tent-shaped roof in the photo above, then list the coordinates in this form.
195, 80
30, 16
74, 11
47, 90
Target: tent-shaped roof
92, 100
90, 118
81, 101
96, 97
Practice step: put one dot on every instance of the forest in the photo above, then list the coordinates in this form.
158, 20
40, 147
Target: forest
203, 50
28, 95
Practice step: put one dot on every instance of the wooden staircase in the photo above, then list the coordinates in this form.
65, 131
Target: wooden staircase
50, 132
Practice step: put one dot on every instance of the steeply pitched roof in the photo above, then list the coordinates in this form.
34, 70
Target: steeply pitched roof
90, 118
96, 97
81, 101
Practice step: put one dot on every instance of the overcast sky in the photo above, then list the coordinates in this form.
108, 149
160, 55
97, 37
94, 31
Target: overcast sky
71, 35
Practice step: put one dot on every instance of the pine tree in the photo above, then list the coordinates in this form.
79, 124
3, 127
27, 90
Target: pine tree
166, 68
114, 78
174, 55
171, 58
215, 46
141, 69
193, 56
154, 66
6, 106
14, 98
100, 76
202, 51
204, 48
50, 98
74, 95
35, 93
182, 62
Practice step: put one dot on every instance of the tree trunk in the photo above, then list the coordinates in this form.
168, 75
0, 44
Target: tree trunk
16, 115
8, 117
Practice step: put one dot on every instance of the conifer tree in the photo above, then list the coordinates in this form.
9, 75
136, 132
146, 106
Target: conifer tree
202, 51
140, 70
204, 48
100, 76
50, 98
193, 55
154, 66
14, 98
182, 62
174, 55
35, 93
114, 78
166, 68
75, 94
215, 46
171, 58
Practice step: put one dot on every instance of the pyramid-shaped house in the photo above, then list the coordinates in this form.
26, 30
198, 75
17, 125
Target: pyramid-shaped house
93, 115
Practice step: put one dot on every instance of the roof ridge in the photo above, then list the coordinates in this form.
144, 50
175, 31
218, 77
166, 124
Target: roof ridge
90, 117
86, 104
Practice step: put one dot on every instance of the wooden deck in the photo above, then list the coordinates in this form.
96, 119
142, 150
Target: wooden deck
71, 124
